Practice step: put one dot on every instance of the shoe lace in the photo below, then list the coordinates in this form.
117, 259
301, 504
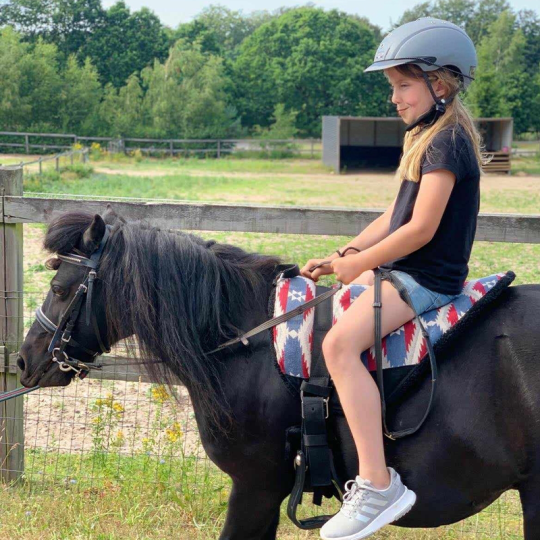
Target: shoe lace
355, 493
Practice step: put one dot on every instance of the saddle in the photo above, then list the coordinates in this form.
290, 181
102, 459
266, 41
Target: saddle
314, 464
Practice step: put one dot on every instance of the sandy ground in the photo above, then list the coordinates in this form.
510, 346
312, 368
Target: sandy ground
125, 416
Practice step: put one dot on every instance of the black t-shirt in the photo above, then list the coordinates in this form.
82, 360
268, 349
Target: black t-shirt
442, 264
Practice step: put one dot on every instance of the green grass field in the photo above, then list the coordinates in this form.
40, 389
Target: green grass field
111, 496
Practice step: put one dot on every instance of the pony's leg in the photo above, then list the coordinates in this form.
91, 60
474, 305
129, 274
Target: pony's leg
252, 514
529, 493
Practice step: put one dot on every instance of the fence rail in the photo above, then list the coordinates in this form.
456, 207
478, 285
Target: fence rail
164, 146
56, 157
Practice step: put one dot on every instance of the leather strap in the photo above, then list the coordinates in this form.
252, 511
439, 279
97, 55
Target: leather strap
377, 305
278, 320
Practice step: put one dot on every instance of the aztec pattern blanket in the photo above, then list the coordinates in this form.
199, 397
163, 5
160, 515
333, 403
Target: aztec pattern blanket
405, 346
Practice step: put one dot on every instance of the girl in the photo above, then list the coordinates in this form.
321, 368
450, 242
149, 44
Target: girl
424, 238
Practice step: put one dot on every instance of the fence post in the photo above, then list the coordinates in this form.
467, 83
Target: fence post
11, 331
312, 148
71, 157
57, 163
171, 148
27, 144
40, 166
219, 149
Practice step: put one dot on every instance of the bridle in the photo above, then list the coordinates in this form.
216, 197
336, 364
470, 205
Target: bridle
61, 333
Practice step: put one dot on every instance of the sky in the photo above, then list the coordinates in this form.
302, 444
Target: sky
382, 13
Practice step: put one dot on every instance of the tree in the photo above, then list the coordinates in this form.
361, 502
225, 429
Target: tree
221, 30
81, 95
41, 86
66, 23
185, 96
529, 23
282, 127
128, 121
474, 16
125, 43
14, 108
312, 61
502, 86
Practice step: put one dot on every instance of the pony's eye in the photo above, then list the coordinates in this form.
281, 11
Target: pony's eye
58, 291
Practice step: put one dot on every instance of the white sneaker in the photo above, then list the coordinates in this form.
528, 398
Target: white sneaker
366, 509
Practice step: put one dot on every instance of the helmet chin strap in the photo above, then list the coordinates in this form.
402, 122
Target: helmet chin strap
436, 111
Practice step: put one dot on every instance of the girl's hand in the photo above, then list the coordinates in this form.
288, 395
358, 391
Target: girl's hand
348, 268
324, 270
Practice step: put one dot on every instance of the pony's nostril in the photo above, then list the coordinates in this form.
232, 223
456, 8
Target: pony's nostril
20, 362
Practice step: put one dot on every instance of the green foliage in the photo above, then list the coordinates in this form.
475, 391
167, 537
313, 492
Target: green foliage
41, 183
125, 43
503, 86
312, 62
78, 170
221, 30
65, 23
78, 67
283, 127
81, 96
475, 16
14, 105
186, 96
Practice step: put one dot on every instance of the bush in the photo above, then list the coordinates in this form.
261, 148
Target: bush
96, 152
79, 170
137, 155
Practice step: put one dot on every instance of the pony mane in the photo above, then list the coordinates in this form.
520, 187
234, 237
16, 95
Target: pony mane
178, 296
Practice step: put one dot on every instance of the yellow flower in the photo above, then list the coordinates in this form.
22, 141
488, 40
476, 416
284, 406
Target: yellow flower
120, 439
160, 394
118, 408
174, 432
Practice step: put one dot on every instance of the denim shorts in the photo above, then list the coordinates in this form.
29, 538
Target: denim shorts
423, 299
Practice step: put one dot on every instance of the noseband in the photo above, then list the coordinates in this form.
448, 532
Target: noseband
61, 334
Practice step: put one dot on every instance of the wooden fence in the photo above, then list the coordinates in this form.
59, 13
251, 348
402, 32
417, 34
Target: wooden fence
71, 154
218, 147
17, 210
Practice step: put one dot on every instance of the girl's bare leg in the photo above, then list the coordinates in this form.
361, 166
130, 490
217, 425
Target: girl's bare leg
357, 391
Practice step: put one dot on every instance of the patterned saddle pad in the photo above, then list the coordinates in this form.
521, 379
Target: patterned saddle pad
406, 346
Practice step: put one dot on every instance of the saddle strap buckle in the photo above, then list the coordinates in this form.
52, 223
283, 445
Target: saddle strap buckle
327, 414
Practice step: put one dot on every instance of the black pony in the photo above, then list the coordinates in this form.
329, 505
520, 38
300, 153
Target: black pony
180, 296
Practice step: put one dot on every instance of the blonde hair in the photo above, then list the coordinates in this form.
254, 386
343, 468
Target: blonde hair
417, 141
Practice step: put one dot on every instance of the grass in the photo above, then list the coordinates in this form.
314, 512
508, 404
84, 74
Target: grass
108, 495
187, 503
257, 182
526, 164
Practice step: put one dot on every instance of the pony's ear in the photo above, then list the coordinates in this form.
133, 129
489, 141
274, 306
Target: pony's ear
110, 217
93, 235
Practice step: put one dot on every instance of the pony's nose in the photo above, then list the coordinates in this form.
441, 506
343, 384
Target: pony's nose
20, 362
